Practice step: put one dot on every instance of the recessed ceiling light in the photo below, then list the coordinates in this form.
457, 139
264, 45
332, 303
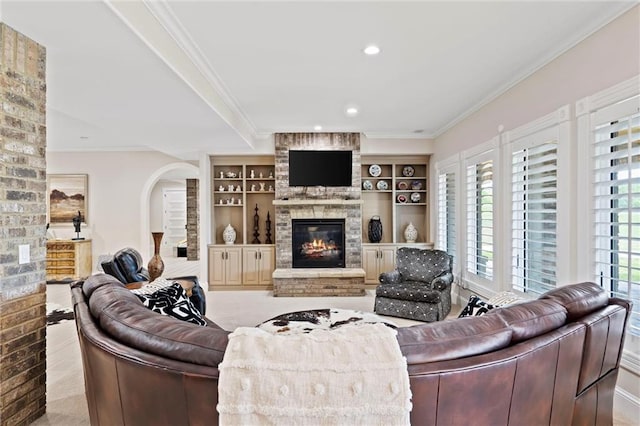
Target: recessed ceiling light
351, 111
317, 128
419, 131
84, 138
371, 50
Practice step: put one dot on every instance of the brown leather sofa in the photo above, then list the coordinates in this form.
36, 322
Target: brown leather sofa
553, 361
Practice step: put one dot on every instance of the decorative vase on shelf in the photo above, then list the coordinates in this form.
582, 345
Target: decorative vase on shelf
156, 265
375, 229
229, 235
410, 233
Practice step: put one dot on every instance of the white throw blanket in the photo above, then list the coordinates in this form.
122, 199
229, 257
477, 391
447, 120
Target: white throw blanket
352, 375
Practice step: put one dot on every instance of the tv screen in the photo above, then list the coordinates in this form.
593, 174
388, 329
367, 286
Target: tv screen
320, 168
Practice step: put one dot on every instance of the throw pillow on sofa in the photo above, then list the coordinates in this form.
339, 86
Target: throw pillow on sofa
476, 307
173, 301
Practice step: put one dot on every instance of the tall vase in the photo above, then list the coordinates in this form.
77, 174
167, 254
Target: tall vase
156, 265
375, 229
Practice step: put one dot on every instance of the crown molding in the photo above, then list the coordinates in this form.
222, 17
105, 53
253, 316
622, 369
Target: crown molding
383, 135
157, 26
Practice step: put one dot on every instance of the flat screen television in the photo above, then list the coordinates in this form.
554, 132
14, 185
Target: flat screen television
319, 168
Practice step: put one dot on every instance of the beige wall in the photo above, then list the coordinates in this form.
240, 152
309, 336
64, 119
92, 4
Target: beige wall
116, 183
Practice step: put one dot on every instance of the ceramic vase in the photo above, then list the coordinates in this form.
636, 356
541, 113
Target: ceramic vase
410, 233
229, 235
375, 229
156, 265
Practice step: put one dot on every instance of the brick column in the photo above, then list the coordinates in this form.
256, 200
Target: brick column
23, 216
193, 246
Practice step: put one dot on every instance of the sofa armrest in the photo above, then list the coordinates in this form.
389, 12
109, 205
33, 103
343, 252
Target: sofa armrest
393, 277
442, 282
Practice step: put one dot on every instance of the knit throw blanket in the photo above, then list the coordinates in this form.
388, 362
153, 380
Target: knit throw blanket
353, 375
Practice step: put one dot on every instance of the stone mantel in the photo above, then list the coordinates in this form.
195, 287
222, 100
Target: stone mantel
308, 202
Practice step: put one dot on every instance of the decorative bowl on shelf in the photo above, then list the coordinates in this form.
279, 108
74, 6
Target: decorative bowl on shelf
375, 170
382, 185
415, 197
401, 199
408, 171
367, 185
231, 175
402, 185
416, 185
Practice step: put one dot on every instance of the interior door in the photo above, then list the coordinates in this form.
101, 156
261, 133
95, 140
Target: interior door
174, 219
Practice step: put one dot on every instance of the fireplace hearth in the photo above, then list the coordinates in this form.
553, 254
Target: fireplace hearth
318, 243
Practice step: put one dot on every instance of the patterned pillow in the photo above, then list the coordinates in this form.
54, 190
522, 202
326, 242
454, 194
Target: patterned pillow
475, 307
173, 301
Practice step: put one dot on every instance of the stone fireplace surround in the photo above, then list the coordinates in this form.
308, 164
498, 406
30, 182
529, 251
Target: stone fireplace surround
317, 203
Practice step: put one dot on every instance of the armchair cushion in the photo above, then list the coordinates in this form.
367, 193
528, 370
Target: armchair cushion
415, 291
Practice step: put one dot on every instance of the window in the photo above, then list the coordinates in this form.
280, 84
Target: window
480, 219
533, 217
447, 213
616, 202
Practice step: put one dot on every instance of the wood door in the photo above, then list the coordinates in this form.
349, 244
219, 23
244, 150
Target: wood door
217, 265
370, 257
267, 261
250, 263
387, 259
233, 266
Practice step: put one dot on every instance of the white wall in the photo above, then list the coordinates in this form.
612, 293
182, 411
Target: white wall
116, 181
608, 57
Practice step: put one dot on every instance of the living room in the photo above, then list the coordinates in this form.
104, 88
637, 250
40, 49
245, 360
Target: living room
558, 92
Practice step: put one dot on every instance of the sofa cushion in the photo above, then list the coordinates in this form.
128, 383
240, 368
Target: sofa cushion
531, 319
579, 299
174, 302
414, 291
453, 339
475, 307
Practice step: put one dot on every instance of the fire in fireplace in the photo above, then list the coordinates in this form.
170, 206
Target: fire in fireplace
318, 243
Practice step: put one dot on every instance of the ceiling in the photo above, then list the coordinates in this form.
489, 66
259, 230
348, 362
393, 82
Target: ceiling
192, 77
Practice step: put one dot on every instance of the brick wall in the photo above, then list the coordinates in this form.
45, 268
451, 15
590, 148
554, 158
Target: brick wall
193, 246
23, 217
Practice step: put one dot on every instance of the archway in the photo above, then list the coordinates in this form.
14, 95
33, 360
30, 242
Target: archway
189, 171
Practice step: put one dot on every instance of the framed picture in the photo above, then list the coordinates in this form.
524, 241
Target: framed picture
67, 196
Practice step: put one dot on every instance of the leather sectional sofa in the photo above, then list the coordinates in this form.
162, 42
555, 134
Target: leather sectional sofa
553, 360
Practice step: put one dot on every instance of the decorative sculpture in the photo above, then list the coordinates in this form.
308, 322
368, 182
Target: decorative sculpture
256, 227
268, 228
77, 223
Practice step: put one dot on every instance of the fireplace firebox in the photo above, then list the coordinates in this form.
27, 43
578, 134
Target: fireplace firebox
318, 243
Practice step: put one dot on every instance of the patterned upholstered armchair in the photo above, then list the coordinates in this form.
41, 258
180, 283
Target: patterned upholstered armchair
419, 288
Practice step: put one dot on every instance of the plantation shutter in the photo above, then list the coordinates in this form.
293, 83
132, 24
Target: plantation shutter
534, 219
480, 219
616, 160
447, 213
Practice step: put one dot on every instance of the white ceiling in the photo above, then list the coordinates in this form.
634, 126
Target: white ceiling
187, 77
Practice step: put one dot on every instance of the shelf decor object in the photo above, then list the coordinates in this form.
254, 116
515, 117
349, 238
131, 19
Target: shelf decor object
375, 229
415, 197
367, 185
375, 170
410, 233
256, 227
268, 229
156, 265
408, 171
229, 235
382, 185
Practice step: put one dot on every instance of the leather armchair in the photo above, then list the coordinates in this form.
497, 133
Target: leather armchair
126, 265
419, 288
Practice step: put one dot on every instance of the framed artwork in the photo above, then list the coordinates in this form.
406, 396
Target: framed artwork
67, 196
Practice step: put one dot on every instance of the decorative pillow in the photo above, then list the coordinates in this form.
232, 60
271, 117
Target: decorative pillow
505, 298
173, 301
476, 307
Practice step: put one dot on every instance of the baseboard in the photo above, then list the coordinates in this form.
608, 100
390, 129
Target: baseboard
626, 404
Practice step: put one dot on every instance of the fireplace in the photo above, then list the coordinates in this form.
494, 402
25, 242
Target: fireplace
318, 243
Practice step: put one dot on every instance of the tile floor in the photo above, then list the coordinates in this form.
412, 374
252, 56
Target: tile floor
66, 405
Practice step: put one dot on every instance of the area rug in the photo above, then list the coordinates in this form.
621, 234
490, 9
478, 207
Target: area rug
57, 313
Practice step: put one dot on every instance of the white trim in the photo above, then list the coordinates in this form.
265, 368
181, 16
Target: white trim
609, 96
626, 403
630, 360
558, 116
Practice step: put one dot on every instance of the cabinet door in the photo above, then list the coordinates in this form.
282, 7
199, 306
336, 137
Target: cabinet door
234, 266
370, 257
250, 263
217, 265
387, 259
267, 265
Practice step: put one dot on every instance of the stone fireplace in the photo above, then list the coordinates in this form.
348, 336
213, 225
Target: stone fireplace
323, 205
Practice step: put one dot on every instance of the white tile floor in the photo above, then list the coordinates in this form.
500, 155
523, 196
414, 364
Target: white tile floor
66, 404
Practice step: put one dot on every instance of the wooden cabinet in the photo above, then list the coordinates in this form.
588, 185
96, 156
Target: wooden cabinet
376, 259
258, 263
68, 259
225, 265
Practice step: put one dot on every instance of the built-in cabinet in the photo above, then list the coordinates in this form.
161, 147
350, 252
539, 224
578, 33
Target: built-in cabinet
376, 259
243, 192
